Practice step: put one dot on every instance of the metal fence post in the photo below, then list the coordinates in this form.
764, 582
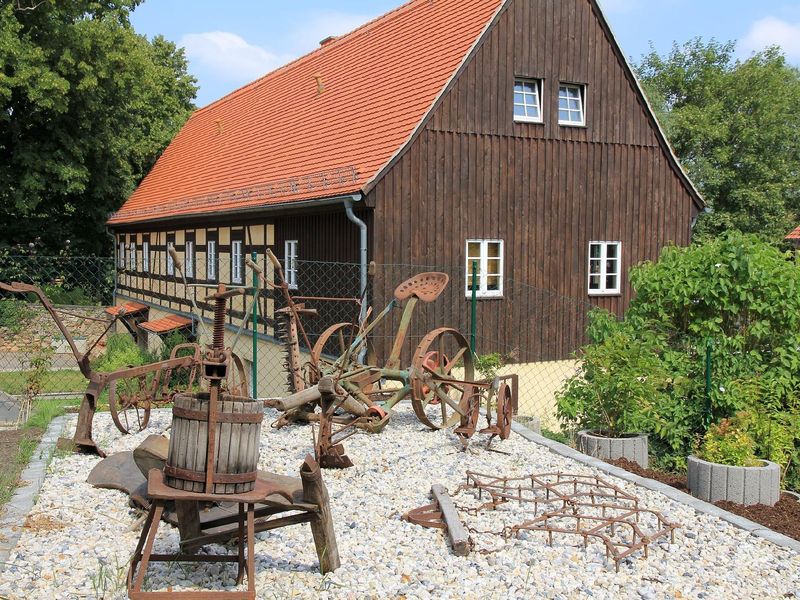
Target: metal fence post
474, 324
708, 416
254, 374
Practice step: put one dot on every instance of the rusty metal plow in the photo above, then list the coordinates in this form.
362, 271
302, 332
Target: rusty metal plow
568, 504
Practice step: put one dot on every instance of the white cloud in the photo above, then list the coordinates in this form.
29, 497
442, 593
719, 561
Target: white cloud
321, 24
230, 56
772, 31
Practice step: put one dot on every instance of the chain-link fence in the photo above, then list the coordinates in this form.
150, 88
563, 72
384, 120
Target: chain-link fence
529, 331
35, 358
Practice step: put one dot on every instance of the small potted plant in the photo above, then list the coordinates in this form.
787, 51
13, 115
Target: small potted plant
608, 399
725, 467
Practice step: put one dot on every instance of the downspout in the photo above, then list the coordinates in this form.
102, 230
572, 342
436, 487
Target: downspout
362, 228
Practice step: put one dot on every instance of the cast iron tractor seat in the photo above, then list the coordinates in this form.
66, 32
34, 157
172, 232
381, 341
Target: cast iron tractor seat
425, 286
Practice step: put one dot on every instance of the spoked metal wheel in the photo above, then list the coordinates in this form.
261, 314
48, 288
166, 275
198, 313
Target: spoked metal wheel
504, 411
129, 401
442, 361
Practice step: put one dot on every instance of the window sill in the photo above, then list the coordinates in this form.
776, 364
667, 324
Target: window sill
604, 294
528, 121
468, 297
574, 125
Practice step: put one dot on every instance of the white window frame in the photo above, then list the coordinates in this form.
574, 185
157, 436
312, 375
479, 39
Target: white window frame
237, 250
121, 257
603, 259
170, 262
537, 83
132, 257
211, 260
581, 99
145, 256
483, 269
188, 256
290, 263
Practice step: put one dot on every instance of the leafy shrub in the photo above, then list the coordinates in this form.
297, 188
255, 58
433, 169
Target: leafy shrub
619, 381
76, 296
180, 377
488, 365
14, 314
743, 295
728, 443
121, 351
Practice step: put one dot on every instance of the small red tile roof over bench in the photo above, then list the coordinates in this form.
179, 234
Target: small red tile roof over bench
324, 125
795, 235
129, 308
167, 324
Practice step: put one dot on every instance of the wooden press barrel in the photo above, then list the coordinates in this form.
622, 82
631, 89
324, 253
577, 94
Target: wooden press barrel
238, 433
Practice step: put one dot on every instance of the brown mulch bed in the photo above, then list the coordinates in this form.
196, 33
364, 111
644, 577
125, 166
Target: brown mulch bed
784, 517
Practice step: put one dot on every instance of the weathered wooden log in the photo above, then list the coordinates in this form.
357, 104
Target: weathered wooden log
315, 492
236, 442
456, 532
312, 394
151, 453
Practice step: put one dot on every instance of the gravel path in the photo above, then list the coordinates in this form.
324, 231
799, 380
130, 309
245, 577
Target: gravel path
79, 539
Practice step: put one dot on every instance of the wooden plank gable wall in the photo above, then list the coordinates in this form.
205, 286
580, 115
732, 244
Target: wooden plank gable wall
547, 190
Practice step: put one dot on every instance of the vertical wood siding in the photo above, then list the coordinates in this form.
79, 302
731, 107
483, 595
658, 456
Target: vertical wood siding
545, 189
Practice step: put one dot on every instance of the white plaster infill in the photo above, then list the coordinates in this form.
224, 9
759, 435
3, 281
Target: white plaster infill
13, 514
670, 492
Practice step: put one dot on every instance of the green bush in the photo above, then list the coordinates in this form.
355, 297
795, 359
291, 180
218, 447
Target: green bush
121, 351
617, 386
728, 443
740, 293
14, 314
76, 296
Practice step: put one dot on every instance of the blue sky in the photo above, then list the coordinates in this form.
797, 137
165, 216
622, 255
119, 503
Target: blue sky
232, 43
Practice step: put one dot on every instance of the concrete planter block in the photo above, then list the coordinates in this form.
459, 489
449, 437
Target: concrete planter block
713, 482
632, 447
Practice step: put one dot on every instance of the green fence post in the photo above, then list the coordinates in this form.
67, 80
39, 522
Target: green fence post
254, 374
474, 324
708, 416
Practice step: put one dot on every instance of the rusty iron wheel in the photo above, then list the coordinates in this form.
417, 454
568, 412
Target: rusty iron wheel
472, 412
504, 411
428, 383
129, 401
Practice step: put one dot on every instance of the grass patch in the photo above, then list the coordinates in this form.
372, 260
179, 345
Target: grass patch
14, 383
17, 446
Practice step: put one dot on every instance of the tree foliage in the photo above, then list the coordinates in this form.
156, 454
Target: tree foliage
742, 296
736, 128
87, 105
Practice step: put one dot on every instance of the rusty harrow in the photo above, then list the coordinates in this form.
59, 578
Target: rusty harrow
579, 505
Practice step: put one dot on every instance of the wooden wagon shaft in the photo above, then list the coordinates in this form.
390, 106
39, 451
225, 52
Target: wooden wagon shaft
443, 515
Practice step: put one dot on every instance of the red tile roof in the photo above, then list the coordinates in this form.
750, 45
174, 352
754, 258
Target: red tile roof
167, 324
795, 235
280, 139
130, 308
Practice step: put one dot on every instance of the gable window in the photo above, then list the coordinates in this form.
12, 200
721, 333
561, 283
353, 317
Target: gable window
189, 253
488, 254
121, 253
237, 247
290, 263
211, 260
571, 101
605, 261
528, 100
146, 255
132, 250
170, 262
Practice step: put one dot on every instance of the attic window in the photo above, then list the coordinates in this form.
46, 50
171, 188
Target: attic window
527, 100
571, 100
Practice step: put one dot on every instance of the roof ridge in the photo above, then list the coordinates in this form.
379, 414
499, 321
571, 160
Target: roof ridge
335, 42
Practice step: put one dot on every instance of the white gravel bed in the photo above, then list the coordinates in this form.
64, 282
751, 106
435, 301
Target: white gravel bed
82, 538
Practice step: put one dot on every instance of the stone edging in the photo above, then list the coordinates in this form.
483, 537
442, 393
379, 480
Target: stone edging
13, 514
670, 492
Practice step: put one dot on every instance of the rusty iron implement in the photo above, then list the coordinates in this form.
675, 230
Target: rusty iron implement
132, 391
586, 506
